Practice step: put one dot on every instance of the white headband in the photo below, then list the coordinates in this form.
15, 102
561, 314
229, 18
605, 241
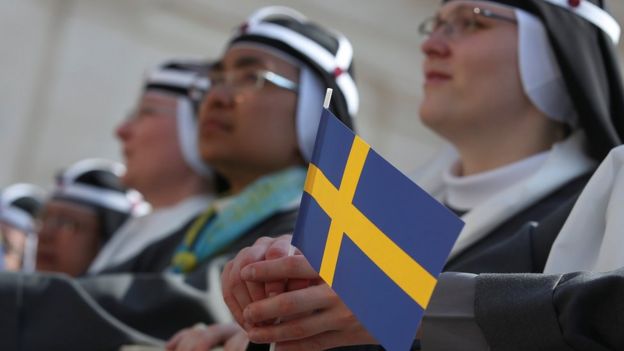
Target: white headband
188, 137
110, 199
539, 71
18, 218
338, 64
185, 115
594, 14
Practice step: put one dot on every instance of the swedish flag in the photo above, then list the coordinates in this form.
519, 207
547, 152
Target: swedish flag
373, 235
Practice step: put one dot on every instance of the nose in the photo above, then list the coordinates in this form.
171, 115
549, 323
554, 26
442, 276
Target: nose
436, 45
219, 96
44, 236
123, 130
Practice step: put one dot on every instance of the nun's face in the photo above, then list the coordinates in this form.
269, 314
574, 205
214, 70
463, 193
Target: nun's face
246, 130
471, 71
150, 143
69, 238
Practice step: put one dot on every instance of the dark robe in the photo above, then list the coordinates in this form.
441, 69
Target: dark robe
513, 246
54, 312
156, 257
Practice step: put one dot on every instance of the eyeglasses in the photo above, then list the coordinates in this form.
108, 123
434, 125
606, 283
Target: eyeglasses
149, 111
58, 223
240, 80
464, 20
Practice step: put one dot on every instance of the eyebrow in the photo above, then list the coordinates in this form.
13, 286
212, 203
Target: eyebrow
241, 62
456, 9
247, 61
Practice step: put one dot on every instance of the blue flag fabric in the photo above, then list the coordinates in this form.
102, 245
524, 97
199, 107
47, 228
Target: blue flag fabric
374, 236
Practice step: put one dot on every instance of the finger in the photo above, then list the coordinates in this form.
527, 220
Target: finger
296, 329
228, 297
279, 248
205, 338
290, 303
237, 288
256, 291
189, 341
290, 267
337, 319
297, 284
276, 288
175, 339
333, 316
238, 342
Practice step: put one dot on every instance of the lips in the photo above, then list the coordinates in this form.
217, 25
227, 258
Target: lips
212, 125
434, 76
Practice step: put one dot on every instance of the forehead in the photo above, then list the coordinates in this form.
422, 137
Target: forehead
242, 56
68, 208
160, 98
454, 5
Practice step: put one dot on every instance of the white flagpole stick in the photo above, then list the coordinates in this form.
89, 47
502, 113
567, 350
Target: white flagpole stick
328, 95
291, 251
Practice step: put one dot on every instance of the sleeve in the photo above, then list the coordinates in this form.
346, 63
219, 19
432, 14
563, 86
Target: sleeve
575, 311
449, 322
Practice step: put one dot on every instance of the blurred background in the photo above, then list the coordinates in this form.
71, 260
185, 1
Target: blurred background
70, 70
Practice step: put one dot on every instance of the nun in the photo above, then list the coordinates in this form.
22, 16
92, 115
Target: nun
531, 117
160, 151
87, 205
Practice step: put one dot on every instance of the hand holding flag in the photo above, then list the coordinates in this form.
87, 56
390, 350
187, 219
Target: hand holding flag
373, 235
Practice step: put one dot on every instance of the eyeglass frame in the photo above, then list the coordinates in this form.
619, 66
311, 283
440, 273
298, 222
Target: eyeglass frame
445, 24
63, 223
136, 112
203, 85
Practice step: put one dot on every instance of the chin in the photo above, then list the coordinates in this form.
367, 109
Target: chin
430, 117
209, 152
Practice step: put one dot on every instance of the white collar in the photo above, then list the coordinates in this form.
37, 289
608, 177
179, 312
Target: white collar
139, 232
566, 161
467, 192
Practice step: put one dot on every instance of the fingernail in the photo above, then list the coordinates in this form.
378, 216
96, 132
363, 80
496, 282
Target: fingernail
248, 273
247, 315
272, 293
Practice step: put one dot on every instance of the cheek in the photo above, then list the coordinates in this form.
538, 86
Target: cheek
494, 64
276, 128
79, 252
68, 246
159, 145
160, 129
